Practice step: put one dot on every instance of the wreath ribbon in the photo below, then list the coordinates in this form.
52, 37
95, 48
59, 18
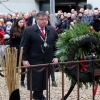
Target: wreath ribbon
83, 68
83, 65
95, 90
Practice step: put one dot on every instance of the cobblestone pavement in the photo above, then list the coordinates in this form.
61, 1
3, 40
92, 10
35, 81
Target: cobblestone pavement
56, 93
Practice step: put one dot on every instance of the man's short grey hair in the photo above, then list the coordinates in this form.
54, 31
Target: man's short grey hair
41, 13
34, 11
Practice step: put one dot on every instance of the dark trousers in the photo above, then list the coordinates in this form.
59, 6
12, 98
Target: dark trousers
53, 73
38, 95
22, 75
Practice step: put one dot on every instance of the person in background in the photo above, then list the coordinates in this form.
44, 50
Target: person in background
75, 12
47, 12
38, 42
53, 67
15, 39
62, 24
9, 17
3, 24
73, 18
5, 17
18, 16
96, 21
68, 20
29, 14
1, 16
31, 20
59, 13
79, 17
72, 25
87, 19
81, 10
26, 16
65, 14
8, 27
13, 18
1, 31
72, 11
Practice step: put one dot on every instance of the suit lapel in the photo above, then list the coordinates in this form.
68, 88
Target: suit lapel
37, 29
47, 30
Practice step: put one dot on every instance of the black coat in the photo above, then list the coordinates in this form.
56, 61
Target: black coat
36, 53
15, 42
62, 25
96, 22
30, 21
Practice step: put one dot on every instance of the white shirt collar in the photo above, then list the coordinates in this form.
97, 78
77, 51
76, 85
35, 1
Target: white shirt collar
40, 27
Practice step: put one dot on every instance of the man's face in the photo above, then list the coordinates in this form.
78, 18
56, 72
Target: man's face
86, 12
1, 15
34, 14
80, 15
95, 12
42, 21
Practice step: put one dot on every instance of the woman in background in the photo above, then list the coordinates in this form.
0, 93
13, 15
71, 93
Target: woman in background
15, 39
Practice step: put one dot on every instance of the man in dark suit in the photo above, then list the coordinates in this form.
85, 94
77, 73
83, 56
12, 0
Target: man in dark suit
31, 20
96, 21
38, 48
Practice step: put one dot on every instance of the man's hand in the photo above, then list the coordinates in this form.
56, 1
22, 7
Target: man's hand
26, 63
55, 60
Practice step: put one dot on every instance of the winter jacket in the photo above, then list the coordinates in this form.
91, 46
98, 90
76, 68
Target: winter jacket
1, 34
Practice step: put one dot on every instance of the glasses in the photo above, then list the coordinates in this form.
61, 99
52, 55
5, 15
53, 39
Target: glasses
43, 19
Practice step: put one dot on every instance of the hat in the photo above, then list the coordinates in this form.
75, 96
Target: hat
96, 8
89, 6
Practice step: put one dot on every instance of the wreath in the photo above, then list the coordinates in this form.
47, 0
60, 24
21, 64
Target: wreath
79, 43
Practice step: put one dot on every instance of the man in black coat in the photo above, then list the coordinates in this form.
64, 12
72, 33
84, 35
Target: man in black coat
96, 21
38, 48
31, 20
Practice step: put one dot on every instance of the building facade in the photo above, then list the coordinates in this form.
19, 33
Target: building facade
28, 5
10, 6
94, 3
65, 5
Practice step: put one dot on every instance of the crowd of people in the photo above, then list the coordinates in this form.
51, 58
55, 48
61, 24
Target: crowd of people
67, 20
33, 31
63, 20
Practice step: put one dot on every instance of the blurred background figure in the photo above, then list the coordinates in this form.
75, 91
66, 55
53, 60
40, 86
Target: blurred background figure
2, 32
8, 27
96, 21
31, 20
53, 67
62, 24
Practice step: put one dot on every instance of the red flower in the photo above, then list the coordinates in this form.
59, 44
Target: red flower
91, 29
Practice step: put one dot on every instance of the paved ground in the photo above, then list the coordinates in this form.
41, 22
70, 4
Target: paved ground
85, 94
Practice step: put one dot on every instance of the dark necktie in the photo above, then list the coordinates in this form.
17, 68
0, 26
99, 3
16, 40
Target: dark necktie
42, 31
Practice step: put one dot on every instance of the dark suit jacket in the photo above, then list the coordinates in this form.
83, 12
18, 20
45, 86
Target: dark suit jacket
36, 53
96, 22
30, 21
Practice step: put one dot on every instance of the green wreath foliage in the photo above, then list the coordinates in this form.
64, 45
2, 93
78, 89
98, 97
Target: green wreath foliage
72, 39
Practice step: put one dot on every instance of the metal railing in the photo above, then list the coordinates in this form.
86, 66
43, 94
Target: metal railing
69, 65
